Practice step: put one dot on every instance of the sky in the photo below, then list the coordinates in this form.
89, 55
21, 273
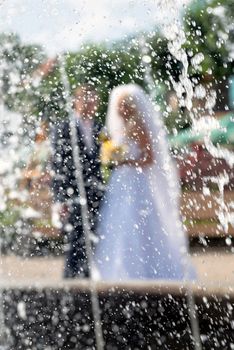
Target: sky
60, 25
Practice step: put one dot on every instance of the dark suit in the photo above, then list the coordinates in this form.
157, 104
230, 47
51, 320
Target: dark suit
66, 191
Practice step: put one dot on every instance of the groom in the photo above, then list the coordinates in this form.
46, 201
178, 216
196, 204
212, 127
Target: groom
65, 187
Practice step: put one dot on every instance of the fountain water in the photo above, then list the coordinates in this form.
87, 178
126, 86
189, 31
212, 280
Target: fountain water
185, 91
14, 152
176, 38
84, 208
174, 32
3, 333
4, 343
4, 118
152, 88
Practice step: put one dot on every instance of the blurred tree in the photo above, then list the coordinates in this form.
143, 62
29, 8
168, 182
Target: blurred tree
34, 87
104, 68
209, 27
18, 61
122, 63
32, 83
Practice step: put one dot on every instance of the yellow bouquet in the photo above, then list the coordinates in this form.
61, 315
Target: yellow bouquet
110, 152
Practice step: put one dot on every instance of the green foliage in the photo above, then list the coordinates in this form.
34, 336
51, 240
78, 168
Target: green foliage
51, 104
9, 217
210, 31
18, 62
176, 121
104, 68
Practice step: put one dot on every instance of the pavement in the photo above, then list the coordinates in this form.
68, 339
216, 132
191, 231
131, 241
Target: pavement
215, 267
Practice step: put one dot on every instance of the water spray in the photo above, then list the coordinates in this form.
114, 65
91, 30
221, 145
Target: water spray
84, 206
176, 38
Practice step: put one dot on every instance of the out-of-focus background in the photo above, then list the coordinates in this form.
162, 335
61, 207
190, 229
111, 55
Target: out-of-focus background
107, 45
181, 52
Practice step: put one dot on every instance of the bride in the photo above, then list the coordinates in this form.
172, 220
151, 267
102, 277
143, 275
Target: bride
141, 236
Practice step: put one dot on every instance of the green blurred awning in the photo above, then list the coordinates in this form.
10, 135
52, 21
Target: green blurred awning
222, 133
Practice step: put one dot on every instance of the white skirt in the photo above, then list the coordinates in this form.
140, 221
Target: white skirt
132, 241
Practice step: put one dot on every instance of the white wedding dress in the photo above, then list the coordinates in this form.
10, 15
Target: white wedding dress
133, 244
135, 220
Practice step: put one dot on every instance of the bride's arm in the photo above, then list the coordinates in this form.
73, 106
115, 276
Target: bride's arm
140, 135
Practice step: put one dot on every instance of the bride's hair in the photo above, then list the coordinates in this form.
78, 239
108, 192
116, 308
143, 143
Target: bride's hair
128, 95
128, 111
